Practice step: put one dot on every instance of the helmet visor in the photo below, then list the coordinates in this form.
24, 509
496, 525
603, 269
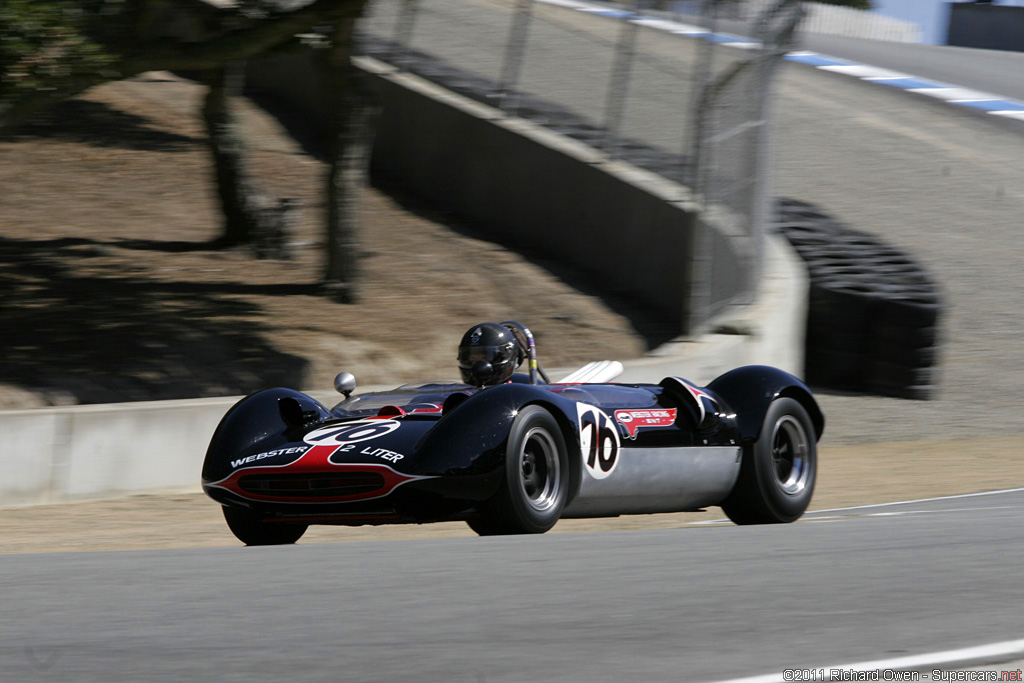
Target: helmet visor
494, 355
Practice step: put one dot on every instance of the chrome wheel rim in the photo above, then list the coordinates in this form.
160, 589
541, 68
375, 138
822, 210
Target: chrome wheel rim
791, 455
540, 472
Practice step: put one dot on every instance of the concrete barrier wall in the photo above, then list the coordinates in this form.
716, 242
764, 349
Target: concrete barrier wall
32, 442
823, 18
858, 23
990, 27
64, 454
629, 231
61, 454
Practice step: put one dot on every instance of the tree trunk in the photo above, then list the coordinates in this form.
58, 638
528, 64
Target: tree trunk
241, 202
349, 133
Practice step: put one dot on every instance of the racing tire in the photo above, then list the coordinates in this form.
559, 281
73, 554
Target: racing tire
250, 529
536, 485
913, 308
778, 471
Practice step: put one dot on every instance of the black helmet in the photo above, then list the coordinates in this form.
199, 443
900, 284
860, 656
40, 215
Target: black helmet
488, 354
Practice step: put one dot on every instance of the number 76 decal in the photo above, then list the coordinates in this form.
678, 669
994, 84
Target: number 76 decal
599, 441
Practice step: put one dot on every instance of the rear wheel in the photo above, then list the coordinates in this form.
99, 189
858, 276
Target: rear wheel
778, 471
536, 486
250, 529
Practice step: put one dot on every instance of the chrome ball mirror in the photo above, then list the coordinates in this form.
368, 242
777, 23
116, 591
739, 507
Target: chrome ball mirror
345, 383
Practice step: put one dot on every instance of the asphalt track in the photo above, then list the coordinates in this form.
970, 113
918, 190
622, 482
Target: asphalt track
697, 604
994, 71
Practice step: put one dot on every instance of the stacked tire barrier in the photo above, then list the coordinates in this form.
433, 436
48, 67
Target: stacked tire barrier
873, 312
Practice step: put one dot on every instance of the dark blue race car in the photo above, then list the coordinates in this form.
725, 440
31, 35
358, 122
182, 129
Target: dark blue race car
512, 452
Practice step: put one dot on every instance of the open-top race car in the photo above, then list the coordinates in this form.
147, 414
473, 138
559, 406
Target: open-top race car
513, 453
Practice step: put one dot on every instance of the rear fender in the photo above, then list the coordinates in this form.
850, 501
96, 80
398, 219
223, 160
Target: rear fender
749, 391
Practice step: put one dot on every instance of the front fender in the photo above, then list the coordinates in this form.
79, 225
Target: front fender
749, 390
254, 424
477, 429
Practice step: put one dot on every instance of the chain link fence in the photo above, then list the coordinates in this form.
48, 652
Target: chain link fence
664, 90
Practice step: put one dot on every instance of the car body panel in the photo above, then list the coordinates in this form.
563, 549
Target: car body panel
651, 480
434, 450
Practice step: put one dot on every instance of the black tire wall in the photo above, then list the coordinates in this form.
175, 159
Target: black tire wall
874, 312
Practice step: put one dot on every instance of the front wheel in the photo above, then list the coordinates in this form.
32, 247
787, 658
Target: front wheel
251, 529
536, 486
778, 470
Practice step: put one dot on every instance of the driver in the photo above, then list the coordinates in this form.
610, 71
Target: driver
488, 355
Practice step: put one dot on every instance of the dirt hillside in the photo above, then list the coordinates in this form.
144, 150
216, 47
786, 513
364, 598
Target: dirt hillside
112, 293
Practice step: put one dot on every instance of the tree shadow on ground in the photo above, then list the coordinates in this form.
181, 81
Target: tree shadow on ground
308, 134
100, 125
166, 246
106, 336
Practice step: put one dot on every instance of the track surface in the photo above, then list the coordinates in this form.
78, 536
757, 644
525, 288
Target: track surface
998, 72
698, 604
993, 71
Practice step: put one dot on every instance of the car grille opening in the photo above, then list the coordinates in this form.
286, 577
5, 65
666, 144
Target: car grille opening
312, 485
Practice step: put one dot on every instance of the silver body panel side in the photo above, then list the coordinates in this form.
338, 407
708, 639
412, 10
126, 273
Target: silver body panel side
649, 480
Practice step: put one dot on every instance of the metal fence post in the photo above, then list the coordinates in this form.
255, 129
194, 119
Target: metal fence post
515, 47
695, 175
776, 41
618, 84
694, 146
404, 23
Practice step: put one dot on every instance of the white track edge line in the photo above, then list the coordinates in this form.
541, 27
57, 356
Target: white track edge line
919, 500
882, 505
1001, 651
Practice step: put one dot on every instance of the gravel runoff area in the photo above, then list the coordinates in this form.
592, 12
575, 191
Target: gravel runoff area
848, 476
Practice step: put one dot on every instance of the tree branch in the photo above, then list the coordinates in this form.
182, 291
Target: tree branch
183, 35
259, 36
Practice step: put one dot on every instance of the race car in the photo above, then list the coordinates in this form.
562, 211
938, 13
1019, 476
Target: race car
512, 453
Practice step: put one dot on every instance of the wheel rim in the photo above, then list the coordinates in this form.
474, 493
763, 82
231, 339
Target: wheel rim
791, 455
539, 470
